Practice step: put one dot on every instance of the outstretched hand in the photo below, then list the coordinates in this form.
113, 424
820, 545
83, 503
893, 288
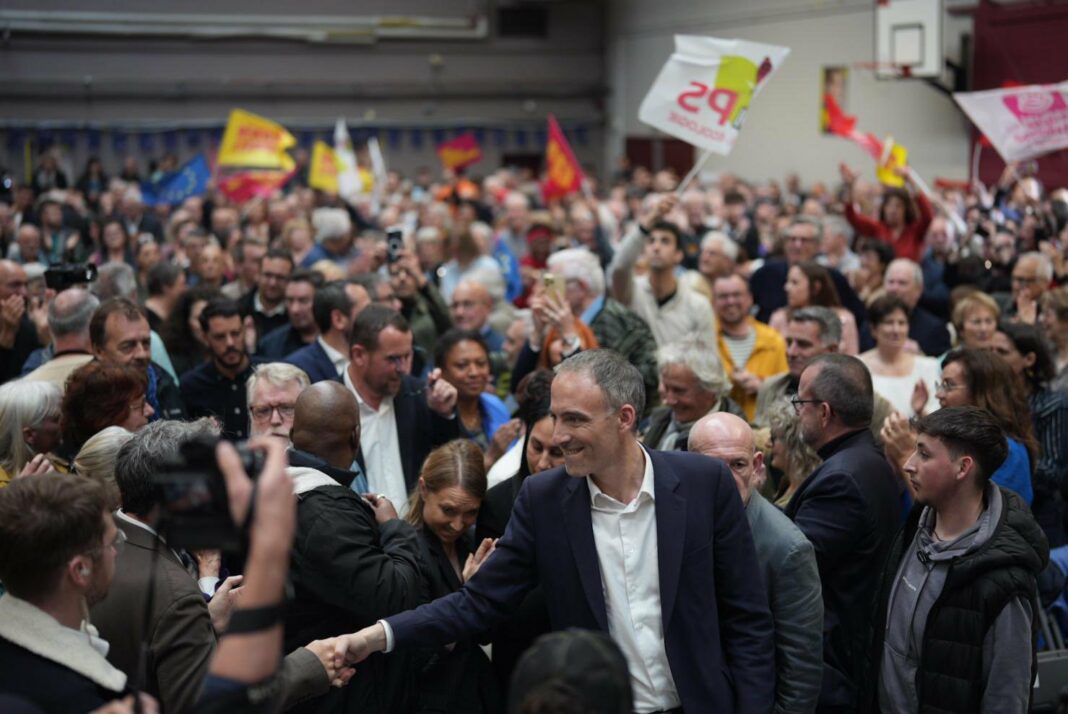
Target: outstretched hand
476, 559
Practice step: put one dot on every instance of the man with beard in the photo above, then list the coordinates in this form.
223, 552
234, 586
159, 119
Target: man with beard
849, 510
60, 545
217, 388
119, 334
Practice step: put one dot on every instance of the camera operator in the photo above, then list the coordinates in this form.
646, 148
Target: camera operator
58, 546
182, 628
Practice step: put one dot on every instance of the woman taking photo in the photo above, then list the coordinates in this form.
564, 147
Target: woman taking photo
904, 379
537, 454
443, 507
809, 284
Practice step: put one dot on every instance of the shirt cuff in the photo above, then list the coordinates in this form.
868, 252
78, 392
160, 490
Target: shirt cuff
389, 636
208, 584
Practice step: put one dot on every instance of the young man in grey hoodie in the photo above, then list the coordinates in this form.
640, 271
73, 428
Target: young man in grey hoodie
958, 597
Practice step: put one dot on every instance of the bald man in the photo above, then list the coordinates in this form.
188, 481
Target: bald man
354, 561
69, 314
18, 335
787, 561
471, 306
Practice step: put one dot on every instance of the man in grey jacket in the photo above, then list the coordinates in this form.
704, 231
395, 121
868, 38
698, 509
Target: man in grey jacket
787, 561
957, 607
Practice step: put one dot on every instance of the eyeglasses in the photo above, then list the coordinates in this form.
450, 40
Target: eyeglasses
1025, 280
263, 412
797, 402
945, 385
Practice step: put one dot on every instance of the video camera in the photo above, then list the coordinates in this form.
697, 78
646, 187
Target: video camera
68, 275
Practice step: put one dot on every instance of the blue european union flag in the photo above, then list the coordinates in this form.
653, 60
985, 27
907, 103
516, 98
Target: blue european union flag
172, 189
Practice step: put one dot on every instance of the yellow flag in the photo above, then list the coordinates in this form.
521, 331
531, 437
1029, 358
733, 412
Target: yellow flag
323, 172
251, 141
894, 156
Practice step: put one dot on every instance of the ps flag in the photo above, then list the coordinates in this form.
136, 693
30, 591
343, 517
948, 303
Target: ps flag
704, 90
1021, 122
563, 174
190, 180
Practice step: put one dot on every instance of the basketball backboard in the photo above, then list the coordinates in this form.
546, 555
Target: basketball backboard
908, 38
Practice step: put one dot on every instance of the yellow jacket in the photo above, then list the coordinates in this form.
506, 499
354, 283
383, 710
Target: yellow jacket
768, 359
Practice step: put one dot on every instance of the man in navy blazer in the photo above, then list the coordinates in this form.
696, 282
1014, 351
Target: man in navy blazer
652, 547
335, 307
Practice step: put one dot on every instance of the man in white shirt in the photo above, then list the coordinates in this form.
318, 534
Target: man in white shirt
652, 547
395, 408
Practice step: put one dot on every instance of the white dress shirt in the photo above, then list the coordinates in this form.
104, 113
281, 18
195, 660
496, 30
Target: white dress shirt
381, 449
340, 361
625, 536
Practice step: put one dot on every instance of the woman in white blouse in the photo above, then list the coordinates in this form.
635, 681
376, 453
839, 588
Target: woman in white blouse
904, 379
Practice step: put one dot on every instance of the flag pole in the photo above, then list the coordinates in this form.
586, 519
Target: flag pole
697, 166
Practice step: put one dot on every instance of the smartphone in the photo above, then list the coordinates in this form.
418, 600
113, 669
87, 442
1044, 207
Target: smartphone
394, 243
553, 286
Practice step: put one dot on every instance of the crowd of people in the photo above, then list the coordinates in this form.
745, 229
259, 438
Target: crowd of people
793, 448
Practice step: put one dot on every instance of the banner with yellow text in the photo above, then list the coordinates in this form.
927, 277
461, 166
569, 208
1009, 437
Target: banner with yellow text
323, 171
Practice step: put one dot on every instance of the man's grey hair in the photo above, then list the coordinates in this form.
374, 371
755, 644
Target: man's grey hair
620, 381
838, 226
581, 265
69, 312
844, 383
723, 242
808, 221
1045, 265
277, 374
830, 325
489, 279
145, 455
917, 271
115, 280
700, 357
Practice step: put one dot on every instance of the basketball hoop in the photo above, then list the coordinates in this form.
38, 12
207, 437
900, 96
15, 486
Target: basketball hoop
886, 69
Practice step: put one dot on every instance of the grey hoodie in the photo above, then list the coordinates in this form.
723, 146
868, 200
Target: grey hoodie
919, 583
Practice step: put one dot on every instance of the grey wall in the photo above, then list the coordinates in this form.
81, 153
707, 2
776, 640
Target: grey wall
781, 133
414, 83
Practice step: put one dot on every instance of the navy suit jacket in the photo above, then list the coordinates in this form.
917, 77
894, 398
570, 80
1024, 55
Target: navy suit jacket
314, 361
929, 332
717, 626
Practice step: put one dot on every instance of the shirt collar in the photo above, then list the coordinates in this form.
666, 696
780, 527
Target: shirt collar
134, 522
599, 500
336, 357
364, 406
593, 310
257, 305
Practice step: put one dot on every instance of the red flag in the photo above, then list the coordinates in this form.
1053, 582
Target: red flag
246, 185
460, 152
563, 175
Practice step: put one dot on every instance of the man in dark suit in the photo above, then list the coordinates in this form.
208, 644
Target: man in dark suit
266, 302
652, 547
849, 509
904, 278
786, 560
802, 242
334, 307
181, 633
403, 418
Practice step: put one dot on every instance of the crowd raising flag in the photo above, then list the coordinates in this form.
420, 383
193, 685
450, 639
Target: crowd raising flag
190, 180
1021, 122
705, 88
563, 174
253, 158
460, 152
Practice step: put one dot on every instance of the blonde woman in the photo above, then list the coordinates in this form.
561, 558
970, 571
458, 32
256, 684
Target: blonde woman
788, 452
975, 319
29, 425
96, 460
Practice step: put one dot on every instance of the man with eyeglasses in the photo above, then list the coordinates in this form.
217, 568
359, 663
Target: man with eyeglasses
849, 509
396, 409
60, 548
1031, 276
801, 242
266, 302
272, 393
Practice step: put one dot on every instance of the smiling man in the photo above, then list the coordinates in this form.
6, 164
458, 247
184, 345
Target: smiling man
956, 609
652, 547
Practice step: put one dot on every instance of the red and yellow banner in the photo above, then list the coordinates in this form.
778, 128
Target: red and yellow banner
460, 152
325, 168
251, 141
246, 185
563, 175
